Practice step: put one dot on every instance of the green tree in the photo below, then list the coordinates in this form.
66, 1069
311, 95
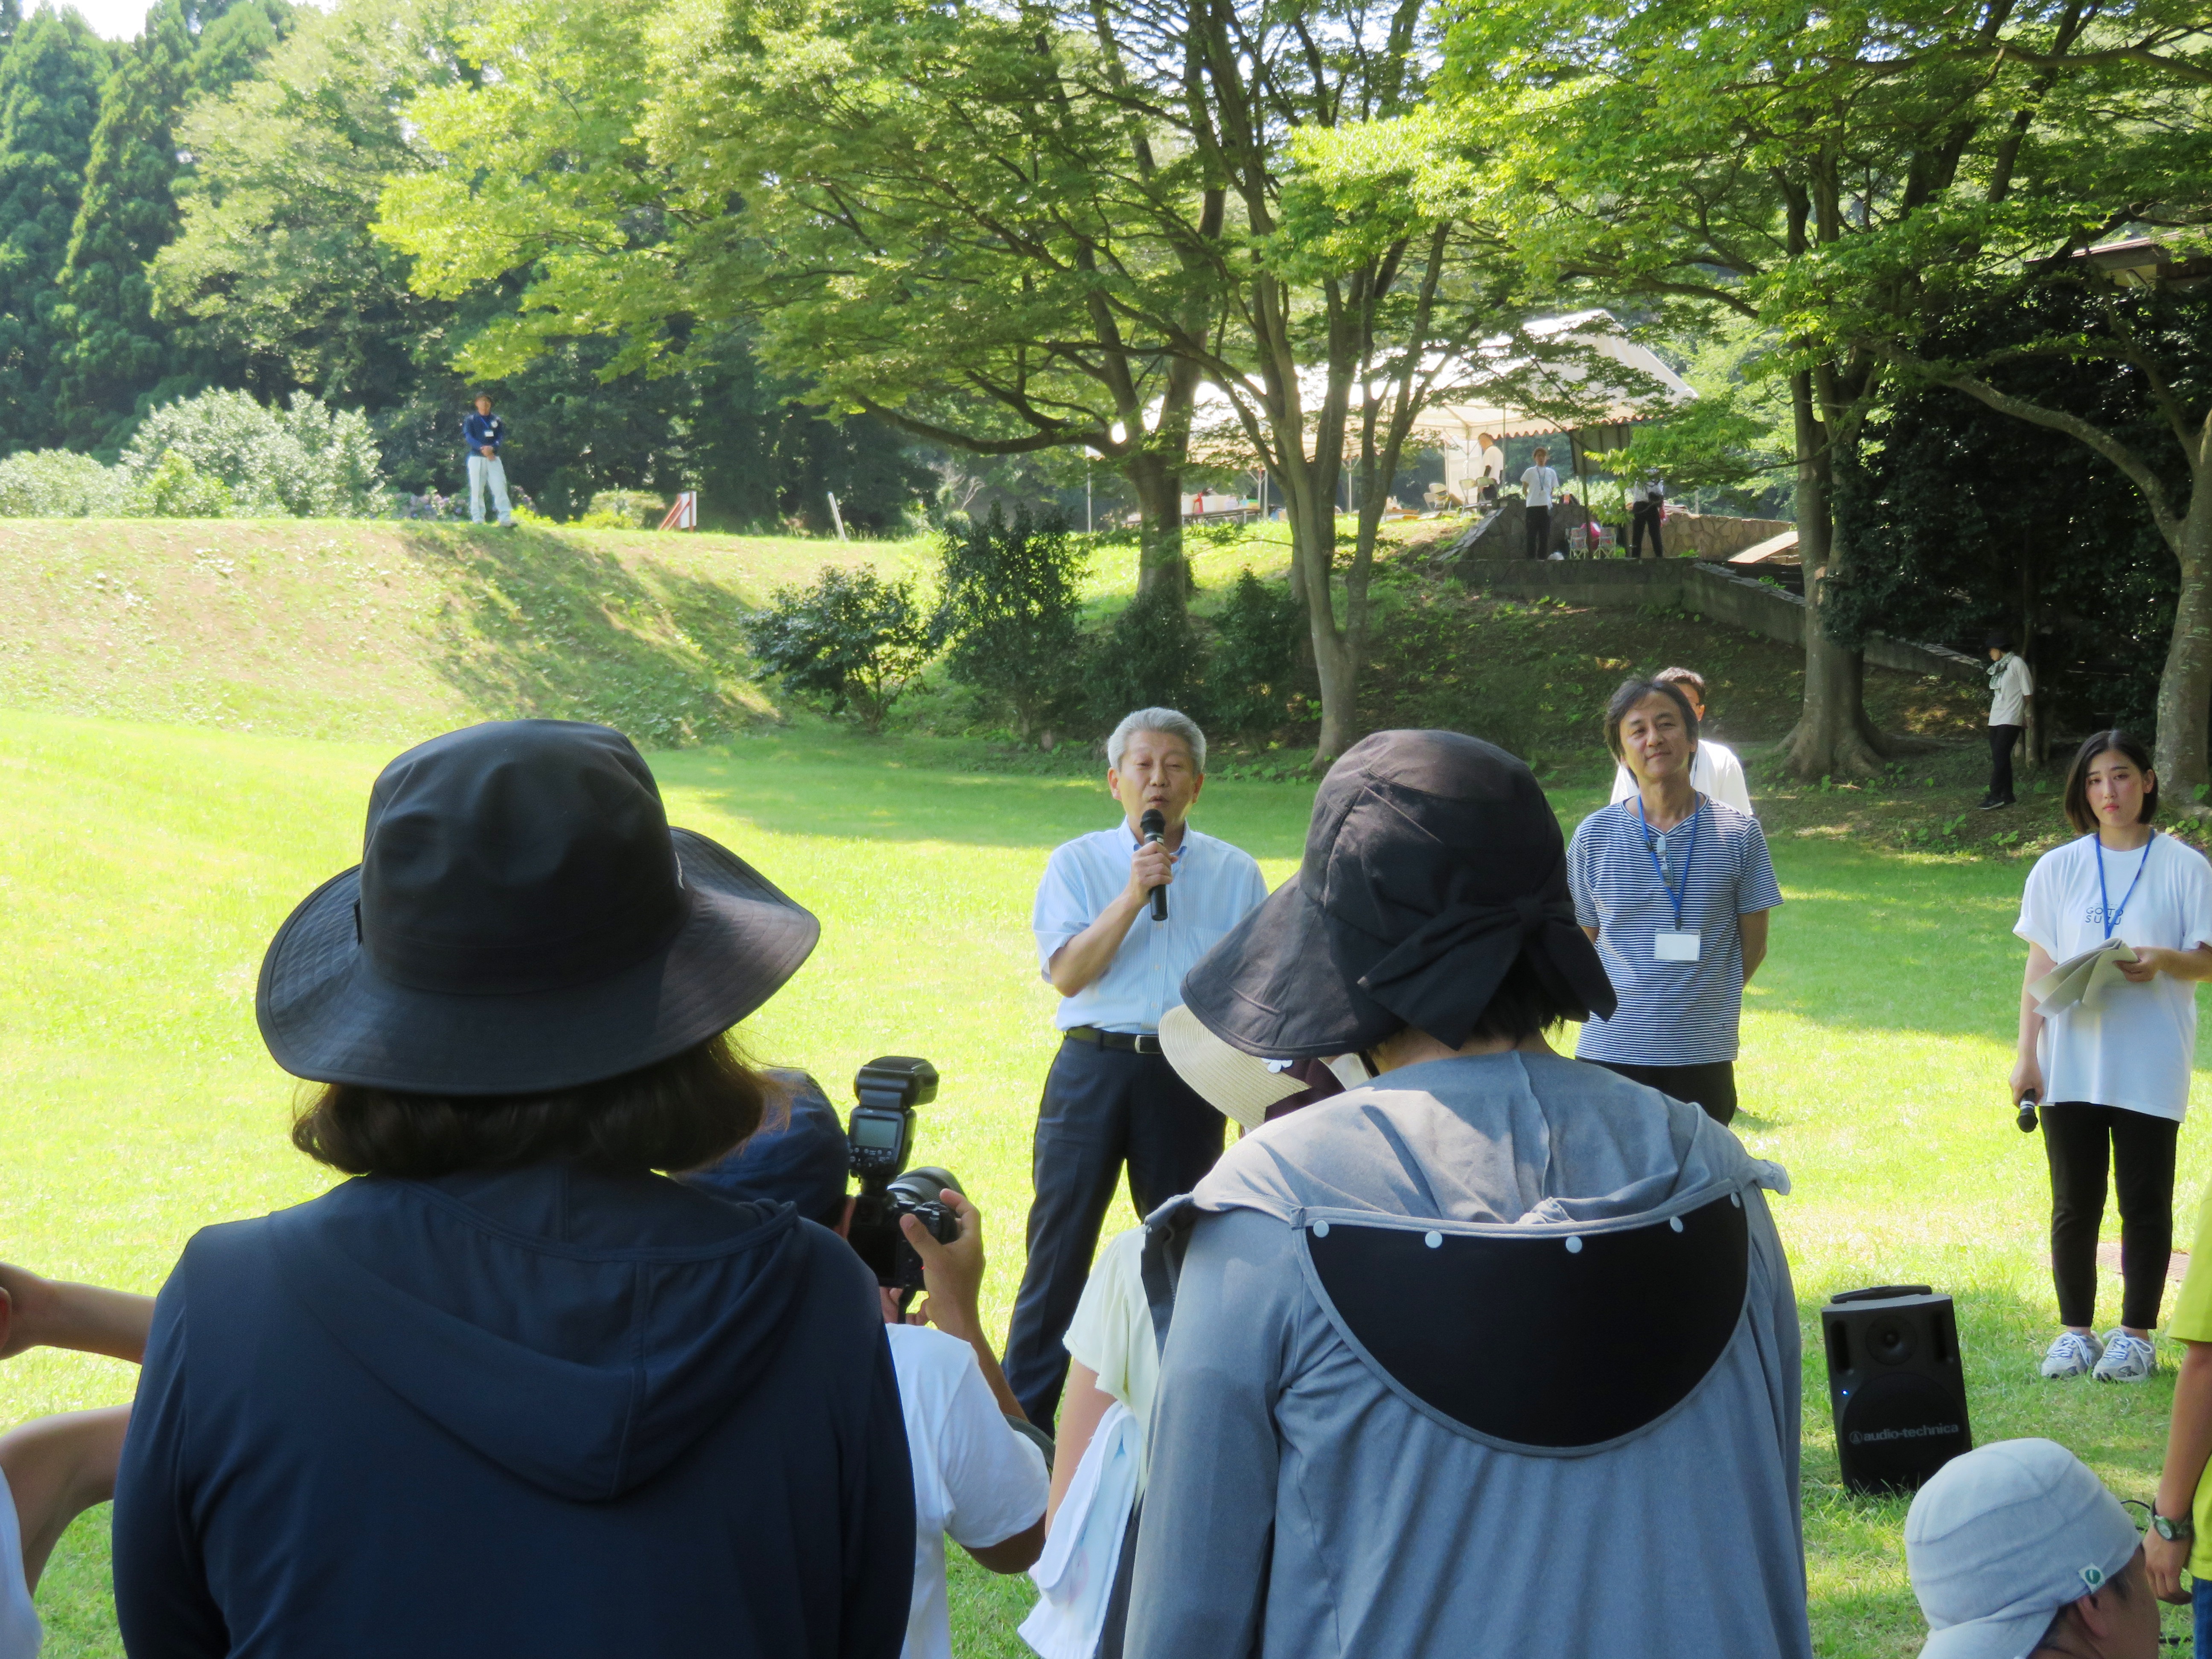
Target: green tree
1009, 609
113, 358
1808, 170
50, 82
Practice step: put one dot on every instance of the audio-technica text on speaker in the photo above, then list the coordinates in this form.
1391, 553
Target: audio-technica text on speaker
1894, 1385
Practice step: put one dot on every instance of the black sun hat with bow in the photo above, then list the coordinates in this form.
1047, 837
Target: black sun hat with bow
1433, 863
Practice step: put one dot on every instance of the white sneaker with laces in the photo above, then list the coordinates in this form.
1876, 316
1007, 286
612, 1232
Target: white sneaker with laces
2127, 1359
2072, 1355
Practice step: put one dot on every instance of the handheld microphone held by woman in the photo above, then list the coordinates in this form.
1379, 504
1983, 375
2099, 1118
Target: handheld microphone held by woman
2027, 1102
1154, 823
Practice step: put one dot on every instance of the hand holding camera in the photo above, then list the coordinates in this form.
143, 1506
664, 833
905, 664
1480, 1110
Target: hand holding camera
951, 1269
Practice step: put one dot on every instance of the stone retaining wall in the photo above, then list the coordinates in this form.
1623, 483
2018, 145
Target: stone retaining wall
1712, 591
1715, 536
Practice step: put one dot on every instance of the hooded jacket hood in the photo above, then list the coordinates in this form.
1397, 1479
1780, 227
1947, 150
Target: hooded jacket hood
522, 1312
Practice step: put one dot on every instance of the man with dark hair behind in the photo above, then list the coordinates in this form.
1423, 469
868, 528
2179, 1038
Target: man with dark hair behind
1421, 1333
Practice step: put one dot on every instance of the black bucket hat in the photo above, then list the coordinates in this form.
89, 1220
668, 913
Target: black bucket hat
1433, 863
523, 919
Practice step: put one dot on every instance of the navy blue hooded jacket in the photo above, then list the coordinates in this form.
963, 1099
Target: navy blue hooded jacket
535, 1412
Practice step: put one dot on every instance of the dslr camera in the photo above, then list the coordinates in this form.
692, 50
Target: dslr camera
879, 1141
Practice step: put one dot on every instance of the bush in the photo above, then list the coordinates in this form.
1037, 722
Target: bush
305, 461
852, 638
1009, 612
1251, 676
624, 509
1151, 657
175, 488
55, 484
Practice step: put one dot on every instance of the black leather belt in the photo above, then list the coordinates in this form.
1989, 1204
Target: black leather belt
1135, 1043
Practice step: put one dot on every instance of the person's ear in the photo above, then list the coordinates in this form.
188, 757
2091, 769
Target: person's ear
845, 1221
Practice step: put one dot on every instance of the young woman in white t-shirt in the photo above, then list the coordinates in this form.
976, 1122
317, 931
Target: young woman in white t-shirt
2115, 1078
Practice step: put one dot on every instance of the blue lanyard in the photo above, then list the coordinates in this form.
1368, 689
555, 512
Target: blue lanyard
2111, 917
1659, 870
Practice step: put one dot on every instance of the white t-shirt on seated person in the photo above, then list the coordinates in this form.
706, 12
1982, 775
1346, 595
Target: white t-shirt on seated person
1714, 770
975, 1478
2136, 1049
20, 1630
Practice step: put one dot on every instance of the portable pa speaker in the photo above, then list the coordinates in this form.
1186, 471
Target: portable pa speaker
1894, 1385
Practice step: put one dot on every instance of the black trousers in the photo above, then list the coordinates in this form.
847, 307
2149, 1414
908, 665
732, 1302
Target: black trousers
1536, 531
1711, 1085
1642, 516
2082, 1141
2001, 738
1101, 1107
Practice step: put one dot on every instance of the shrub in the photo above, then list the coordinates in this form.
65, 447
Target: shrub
1251, 676
306, 460
1009, 612
624, 509
852, 638
1150, 657
55, 484
175, 489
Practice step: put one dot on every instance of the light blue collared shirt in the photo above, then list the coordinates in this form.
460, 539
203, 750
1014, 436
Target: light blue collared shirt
1215, 883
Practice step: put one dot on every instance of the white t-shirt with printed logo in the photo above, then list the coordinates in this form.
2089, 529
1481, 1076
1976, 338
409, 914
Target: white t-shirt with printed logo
975, 1479
2135, 1050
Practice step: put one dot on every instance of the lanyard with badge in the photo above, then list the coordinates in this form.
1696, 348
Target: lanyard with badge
1682, 944
2108, 915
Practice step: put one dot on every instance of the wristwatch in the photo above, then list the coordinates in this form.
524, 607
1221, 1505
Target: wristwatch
2174, 1529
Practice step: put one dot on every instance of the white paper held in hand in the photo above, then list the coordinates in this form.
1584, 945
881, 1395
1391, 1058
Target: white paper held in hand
2085, 979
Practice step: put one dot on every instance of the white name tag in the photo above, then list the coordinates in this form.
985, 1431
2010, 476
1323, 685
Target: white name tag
1674, 947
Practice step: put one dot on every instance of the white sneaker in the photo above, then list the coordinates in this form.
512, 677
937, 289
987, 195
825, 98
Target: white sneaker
2072, 1355
2127, 1359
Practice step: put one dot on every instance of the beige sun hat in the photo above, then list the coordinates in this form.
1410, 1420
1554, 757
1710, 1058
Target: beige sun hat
1233, 1083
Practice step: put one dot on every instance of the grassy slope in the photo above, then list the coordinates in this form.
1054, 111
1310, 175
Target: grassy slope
142, 869
344, 629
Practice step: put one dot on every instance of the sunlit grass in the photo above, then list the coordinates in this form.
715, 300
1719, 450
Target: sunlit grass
143, 869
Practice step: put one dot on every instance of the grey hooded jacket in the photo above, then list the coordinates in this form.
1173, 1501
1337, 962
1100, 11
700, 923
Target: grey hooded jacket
1312, 1492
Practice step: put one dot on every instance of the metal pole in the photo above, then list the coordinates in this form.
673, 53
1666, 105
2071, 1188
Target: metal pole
835, 517
1087, 525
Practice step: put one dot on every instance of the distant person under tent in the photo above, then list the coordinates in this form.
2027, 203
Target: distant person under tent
486, 433
1647, 511
1538, 485
1490, 471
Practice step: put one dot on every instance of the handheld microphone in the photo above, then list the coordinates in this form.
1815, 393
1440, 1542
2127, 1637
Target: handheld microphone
2027, 1113
1154, 823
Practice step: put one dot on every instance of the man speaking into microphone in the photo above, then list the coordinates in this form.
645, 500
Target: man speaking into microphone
1121, 915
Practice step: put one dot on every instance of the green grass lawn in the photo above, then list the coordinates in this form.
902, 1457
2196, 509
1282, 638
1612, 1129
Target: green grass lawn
143, 869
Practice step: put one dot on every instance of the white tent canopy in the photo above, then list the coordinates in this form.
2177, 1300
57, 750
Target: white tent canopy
1552, 376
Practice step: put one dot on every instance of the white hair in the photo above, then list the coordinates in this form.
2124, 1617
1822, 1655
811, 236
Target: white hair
1169, 722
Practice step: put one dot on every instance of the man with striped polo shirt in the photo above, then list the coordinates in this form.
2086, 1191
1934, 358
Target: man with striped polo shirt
1674, 888
1112, 1098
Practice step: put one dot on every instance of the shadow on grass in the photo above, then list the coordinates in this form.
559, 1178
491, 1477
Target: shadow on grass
539, 625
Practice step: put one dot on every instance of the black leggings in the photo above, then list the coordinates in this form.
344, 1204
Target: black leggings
2082, 1141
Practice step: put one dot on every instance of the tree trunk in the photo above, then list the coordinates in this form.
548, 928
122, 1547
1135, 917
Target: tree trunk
1160, 562
1833, 737
2185, 688
1313, 552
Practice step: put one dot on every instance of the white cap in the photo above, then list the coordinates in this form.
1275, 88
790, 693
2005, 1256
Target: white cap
2003, 1537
